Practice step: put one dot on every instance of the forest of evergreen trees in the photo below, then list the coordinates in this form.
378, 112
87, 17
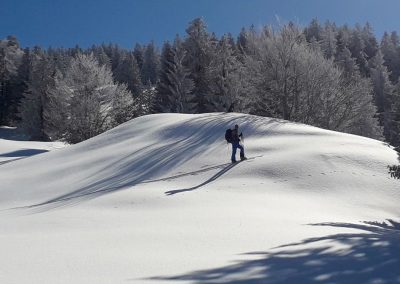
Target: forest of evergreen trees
335, 77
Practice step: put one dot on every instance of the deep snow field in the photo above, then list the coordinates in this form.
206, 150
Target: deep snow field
156, 200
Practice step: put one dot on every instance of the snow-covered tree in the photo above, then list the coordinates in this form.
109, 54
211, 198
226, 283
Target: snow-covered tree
225, 72
174, 91
128, 72
295, 81
342, 39
274, 69
357, 47
10, 60
391, 53
314, 30
33, 105
162, 101
200, 51
101, 55
151, 65
85, 101
395, 123
246, 42
138, 52
370, 42
383, 93
328, 40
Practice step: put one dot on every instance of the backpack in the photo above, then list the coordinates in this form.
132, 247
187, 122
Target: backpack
228, 135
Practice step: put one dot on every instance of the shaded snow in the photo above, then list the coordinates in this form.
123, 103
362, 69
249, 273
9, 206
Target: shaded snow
14, 145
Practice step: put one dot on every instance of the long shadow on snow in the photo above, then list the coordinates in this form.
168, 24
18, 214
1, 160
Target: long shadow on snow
193, 173
226, 168
23, 153
213, 178
372, 256
196, 136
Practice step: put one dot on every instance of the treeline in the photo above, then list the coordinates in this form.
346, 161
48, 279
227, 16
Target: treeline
335, 77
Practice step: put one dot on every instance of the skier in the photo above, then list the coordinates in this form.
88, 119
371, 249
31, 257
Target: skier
235, 140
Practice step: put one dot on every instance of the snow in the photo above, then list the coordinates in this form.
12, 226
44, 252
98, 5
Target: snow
156, 200
13, 145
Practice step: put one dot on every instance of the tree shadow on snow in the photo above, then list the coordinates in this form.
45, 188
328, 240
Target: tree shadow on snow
371, 256
20, 154
23, 153
179, 145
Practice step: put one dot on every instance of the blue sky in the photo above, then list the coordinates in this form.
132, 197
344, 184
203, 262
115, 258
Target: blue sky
65, 23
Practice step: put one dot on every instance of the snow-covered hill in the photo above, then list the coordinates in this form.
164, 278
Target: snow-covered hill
157, 199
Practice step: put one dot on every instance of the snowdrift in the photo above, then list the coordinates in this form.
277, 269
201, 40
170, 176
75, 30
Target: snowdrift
157, 199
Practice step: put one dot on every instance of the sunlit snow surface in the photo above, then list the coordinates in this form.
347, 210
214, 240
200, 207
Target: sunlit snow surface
157, 200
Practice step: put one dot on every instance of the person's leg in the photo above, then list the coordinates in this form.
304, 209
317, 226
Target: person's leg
234, 148
241, 147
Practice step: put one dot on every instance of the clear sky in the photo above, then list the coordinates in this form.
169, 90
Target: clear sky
65, 23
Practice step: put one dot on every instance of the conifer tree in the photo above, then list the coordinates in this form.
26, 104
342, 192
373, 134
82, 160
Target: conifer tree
10, 59
328, 40
313, 30
199, 49
356, 48
127, 72
390, 51
175, 86
35, 101
138, 52
383, 94
162, 101
370, 42
151, 65
225, 80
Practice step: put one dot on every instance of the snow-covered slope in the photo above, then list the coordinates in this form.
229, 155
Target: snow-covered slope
13, 146
156, 199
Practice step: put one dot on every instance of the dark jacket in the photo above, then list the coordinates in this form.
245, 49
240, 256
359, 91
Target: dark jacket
236, 136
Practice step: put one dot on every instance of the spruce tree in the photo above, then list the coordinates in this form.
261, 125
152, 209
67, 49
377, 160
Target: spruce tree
370, 42
138, 52
128, 72
383, 94
313, 30
151, 65
34, 103
175, 86
328, 40
199, 49
390, 51
10, 60
225, 80
357, 47
163, 101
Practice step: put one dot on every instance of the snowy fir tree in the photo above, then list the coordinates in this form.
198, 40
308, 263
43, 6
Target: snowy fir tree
175, 87
200, 50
